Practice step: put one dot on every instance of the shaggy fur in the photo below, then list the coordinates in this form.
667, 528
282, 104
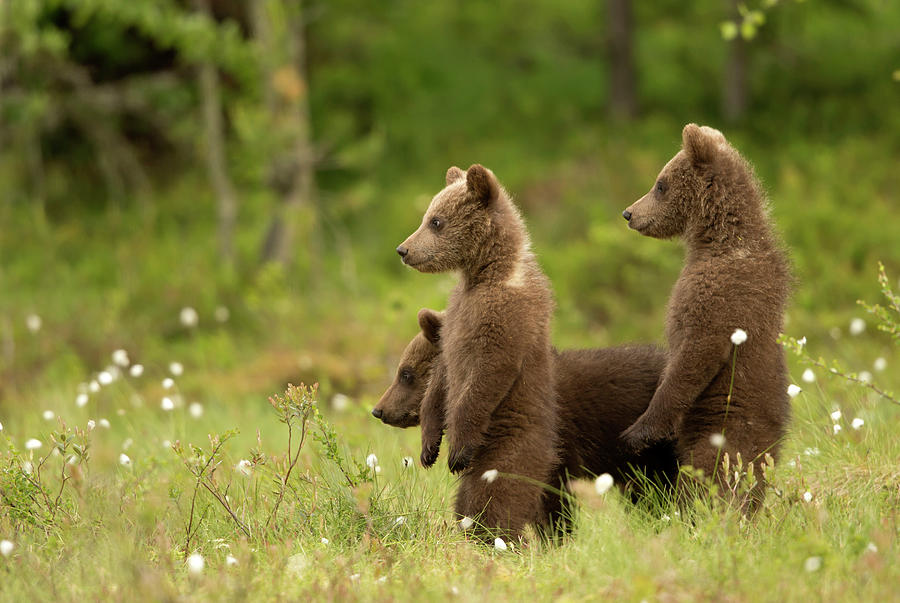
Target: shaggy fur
735, 276
501, 409
599, 392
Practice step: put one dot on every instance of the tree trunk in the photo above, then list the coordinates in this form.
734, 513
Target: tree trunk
734, 92
622, 81
216, 161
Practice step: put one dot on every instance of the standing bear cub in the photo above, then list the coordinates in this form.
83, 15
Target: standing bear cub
495, 344
735, 276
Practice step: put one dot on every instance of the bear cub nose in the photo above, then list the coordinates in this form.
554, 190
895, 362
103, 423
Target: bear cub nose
625, 214
376, 412
402, 251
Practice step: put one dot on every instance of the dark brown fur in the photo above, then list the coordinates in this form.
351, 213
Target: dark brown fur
735, 276
599, 393
501, 409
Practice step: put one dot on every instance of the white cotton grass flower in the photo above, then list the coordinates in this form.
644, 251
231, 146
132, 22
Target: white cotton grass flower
811, 451
500, 544
408, 462
490, 475
836, 415
167, 443
33, 444
48, 415
808, 376
120, 358
857, 326
94, 387
371, 461
196, 410
399, 521
244, 467
807, 496
33, 323
167, 404
176, 368
127, 444
837, 428
81, 400
856, 423
231, 560
136, 370
466, 523
105, 377
354, 577
27, 467
104, 423
793, 390
812, 564
802, 341
603, 483
880, 364
124, 460
717, 440
91, 424
739, 336
6, 548
221, 314
188, 317
325, 541
195, 564
870, 548
1, 426
340, 402
865, 377
168, 383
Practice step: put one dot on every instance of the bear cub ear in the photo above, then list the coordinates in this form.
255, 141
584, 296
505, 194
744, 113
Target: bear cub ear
431, 322
454, 174
701, 143
482, 184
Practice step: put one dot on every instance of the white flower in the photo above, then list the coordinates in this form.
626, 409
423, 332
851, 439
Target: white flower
802, 341
103, 423
400, 520
94, 387
837, 428
354, 577
196, 410
244, 467
857, 326
812, 564
325, 541
880, 364
167, 404
231, 560
91, 424
808, 376
33, 322
408, 462
499, 544
739, 336
490, 475
811, 452
168, 383
176, 368
807, 496
836, 415
466, 523
371, 461
127, 444
136, 370
166, 444
865, 377
1, 426
603, 483
6, 547
195, 563
33, 444
793, 390
856, 423
48, 415
717, 440
221, 314
105, 378
382, 580
81, 400
27, 467
340, 402
871, 548
377, 468
124, 460
188, 317
120, 357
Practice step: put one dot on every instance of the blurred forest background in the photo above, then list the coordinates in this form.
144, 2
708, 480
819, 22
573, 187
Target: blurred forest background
258, 161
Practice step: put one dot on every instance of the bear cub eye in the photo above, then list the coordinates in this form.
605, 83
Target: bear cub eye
660, 186
436, 223
406, 377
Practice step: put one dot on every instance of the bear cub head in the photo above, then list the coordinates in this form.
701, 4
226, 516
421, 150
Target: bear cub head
399, 406
460, 224
681, 187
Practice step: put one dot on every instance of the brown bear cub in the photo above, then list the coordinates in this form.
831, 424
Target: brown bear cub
736, 276
599, 392
495, 345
